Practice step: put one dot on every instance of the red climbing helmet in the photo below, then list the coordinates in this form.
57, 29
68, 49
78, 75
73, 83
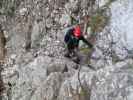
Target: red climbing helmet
77, 31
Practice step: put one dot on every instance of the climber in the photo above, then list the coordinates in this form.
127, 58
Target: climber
72, 37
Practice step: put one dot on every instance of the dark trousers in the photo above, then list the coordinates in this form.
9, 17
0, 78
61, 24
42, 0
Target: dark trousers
72, 52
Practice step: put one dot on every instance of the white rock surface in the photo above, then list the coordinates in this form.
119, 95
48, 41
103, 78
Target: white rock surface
42, 73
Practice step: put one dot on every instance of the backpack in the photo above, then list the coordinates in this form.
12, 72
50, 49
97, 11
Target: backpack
68, 35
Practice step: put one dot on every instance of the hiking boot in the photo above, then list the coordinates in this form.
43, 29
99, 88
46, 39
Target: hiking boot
76, 60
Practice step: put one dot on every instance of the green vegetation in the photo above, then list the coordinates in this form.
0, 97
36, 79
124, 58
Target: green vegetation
98, 22
130, 65
85, 50
84, 95
100, 19
83, 92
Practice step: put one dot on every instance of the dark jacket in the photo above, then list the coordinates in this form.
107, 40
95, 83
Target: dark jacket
73, 41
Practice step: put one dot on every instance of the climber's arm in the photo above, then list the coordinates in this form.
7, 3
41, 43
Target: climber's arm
85, 41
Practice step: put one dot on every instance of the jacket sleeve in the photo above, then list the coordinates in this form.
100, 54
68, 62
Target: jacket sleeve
85, 41
68, 35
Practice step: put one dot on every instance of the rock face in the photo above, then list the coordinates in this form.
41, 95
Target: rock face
125, 18
2, 45
36, 68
